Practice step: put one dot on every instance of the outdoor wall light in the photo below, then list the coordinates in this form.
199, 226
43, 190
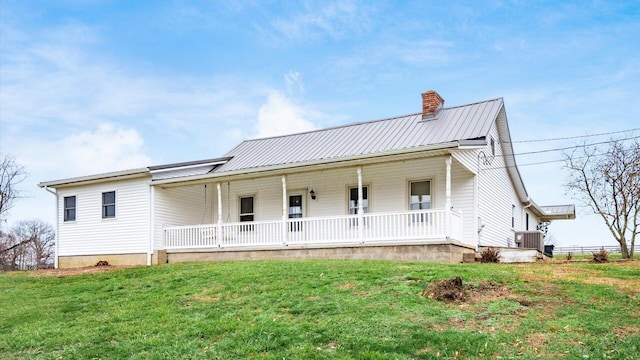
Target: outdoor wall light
313, 194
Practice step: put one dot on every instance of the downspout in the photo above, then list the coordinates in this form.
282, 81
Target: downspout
524, 210
152, 220
57, 238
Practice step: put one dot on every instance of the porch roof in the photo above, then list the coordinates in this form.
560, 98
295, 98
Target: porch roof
460, 123
558, 212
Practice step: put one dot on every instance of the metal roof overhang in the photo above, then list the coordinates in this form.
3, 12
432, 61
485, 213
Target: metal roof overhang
322, 164
189, 164
95, 179
567, 216
539, 211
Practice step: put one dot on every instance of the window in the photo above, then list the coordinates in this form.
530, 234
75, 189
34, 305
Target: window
493, 147
526, 218
246, 212
353, 203
513, 216
108, 204
69, 208
295, 212
353, 200
419, 199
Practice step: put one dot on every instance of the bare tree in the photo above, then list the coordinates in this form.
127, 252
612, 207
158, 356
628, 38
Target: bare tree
608, 183
11, 174
29, 245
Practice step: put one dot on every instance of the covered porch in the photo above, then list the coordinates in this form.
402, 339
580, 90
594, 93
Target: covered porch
406, 202
419, 226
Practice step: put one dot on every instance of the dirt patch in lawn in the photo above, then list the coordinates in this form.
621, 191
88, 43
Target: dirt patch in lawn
550, 272
75, 271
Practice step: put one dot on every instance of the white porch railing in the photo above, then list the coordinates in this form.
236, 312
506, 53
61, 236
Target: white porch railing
402, 226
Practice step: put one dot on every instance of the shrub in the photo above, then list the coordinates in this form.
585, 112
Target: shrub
601, 256
490, 255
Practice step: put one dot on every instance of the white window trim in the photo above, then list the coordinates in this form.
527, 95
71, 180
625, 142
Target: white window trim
407, 190
255, 206
305, 199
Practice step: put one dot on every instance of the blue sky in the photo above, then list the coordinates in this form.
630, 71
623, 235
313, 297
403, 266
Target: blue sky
88, 86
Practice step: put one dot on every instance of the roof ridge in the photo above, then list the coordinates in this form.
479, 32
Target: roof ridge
359, 123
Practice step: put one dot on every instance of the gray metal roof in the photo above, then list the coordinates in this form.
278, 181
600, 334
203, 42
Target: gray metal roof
471, 121
558, 212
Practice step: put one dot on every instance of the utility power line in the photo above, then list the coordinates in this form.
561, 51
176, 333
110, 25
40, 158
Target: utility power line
575, 146
571, 137
538, 163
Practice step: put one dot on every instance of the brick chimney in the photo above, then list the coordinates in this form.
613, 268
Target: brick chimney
431, 103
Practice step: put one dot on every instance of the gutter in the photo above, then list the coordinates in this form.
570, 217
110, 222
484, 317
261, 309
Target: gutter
99, 178
57, 237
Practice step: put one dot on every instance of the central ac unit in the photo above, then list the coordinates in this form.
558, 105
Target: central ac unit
530, 240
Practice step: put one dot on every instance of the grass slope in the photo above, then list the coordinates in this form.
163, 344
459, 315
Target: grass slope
322, 309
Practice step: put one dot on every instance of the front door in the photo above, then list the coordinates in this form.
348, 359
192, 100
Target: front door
295, 212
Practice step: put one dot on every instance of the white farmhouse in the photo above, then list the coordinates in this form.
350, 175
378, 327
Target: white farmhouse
430, 186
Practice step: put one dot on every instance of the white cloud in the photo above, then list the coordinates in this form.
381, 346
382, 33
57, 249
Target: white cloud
280, 116
53, 85
107, 148
318, 20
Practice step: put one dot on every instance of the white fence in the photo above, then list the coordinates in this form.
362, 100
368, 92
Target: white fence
575, 249
403, 226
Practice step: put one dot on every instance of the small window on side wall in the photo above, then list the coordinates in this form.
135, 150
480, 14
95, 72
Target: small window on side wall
109, 205
69, 208
493, 147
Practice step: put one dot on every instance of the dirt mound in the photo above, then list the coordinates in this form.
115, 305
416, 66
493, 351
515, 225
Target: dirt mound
453, 290
447, 290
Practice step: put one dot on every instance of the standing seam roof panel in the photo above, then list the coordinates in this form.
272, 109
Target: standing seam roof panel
457, 123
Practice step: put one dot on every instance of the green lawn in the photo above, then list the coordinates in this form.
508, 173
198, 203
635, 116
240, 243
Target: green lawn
322, 309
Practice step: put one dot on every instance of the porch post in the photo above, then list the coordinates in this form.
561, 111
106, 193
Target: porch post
447, 203
360, 206
219, 231
284, 209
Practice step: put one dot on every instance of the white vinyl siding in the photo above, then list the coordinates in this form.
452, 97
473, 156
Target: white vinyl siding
462, 200
188, 205
90, 234
498, 201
